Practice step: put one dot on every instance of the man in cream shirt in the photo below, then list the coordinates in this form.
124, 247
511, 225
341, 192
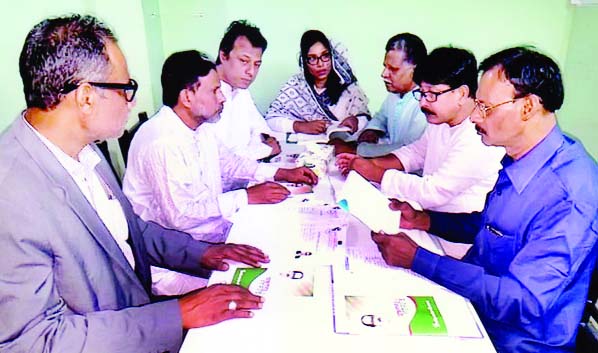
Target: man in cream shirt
458, 170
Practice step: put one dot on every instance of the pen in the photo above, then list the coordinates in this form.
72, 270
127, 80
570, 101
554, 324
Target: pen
494, 231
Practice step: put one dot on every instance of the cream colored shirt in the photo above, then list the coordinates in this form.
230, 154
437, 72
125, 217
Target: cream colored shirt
458, 169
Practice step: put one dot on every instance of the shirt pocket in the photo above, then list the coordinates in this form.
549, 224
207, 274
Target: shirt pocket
501, 248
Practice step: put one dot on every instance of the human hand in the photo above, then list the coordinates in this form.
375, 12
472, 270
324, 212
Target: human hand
341, 146
410, 217
369, 136
314, 127
344, 162
213, 304
397, 250
214, 257
351, 122
301, 175
273, 143
268, 192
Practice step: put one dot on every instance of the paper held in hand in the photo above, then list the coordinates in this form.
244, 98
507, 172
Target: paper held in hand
368, 204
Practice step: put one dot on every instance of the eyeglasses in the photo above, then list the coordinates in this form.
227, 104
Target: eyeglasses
313, 60
129, 89
484, 109
430, 96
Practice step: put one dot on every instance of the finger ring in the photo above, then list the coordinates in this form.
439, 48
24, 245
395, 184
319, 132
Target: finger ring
232, 305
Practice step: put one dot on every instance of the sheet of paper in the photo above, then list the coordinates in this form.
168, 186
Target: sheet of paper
368, 204
383, 305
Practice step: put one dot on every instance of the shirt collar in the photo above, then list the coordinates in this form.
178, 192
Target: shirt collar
175, 122
88, 158
521, 171
227, 90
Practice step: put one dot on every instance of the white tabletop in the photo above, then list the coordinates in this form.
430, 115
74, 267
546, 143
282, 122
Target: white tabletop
301, 323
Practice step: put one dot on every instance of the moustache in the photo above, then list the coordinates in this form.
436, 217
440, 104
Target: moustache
427, 111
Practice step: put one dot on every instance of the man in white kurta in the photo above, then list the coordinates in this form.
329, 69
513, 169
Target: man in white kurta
242, 127
176, 166
174, 178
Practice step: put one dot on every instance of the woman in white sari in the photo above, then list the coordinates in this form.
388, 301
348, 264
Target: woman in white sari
323, 93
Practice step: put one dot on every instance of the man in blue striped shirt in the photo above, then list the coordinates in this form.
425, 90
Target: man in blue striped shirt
535, 242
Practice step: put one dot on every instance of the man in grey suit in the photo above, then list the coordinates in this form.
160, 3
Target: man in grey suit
75, 273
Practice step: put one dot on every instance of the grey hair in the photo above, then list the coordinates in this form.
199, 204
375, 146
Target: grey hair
63, 51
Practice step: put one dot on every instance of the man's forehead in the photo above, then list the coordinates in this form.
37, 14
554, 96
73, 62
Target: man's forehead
494, 81
117, 60
243, 46
211, 80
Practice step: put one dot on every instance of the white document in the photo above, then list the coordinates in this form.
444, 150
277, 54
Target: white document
387, 304
319, 138
368, 204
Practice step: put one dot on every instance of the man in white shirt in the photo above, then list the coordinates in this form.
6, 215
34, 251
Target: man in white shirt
399, 121
242, 127
177, 167
458, 169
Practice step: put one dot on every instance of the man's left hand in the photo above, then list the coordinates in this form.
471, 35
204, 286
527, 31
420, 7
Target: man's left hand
214, 257
273, 143
397, 250
301, 175
351, 122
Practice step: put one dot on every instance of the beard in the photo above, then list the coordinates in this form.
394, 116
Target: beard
213, 119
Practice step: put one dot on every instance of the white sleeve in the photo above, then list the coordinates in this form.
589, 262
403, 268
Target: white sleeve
281, 123
467, 163
185, 201
257, 125
413, 155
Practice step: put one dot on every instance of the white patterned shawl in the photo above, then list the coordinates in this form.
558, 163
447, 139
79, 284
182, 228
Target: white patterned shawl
297, 100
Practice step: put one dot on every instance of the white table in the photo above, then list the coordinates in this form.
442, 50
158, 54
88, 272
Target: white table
290, 323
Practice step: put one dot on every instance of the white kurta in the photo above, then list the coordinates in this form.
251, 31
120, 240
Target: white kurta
174, 178
458, 169
241, 124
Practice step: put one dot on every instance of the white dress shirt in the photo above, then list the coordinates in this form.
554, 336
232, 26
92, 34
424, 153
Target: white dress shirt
241, 124
96, 191
458, 169
174, 177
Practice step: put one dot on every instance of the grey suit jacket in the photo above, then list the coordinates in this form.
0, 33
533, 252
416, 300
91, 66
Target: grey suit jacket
65, 285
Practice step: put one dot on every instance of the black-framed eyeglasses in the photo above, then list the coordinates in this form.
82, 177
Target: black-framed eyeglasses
485, 109
129, 89
430, 96
313, 60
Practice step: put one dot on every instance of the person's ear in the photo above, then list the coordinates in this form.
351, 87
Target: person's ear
223, 57
531, 104
184, 98
463, 92
86, 98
